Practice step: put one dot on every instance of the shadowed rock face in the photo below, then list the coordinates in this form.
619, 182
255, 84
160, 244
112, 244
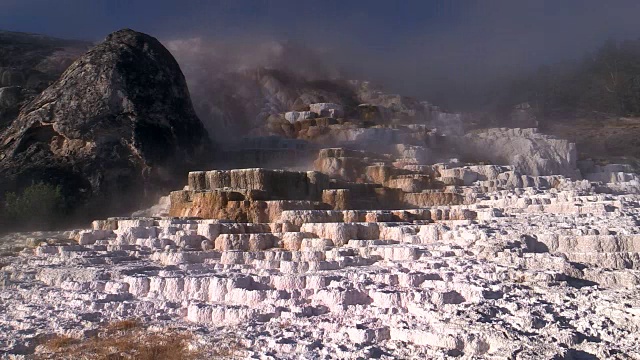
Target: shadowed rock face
118, 121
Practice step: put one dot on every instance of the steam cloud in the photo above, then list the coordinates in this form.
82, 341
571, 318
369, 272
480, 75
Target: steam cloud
453, 55
225, 83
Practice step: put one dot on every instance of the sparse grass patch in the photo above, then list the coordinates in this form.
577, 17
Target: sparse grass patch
122, 340
122, 325
60, 342
165, 347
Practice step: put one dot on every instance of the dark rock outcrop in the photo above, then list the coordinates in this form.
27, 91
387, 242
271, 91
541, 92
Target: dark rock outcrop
119, 121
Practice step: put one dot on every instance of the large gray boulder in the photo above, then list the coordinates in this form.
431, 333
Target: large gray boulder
118, 121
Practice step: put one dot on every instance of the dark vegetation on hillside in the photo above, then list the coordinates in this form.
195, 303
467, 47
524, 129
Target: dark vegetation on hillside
39, 206
605, 82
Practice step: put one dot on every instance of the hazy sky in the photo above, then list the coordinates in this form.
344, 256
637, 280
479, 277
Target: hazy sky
367, 21
422, 47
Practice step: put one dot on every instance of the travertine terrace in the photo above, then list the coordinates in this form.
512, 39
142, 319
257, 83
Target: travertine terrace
368, 256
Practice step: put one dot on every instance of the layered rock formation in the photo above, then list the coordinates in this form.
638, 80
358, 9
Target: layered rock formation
262, 195
118, 121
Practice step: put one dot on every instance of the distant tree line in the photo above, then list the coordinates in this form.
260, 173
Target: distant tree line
605, 82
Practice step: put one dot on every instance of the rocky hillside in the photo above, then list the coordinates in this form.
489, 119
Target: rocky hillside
26, 58
119, 121
29, 63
